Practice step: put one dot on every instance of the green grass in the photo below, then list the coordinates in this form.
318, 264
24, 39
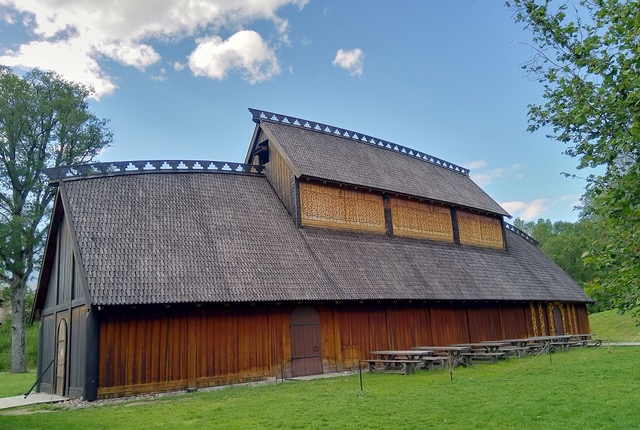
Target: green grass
614, 327
584, 388
16, 384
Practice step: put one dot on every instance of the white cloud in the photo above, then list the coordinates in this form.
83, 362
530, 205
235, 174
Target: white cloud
490, 176
138, 56
351, 60
160, 77
70, 34
244, 50
527, 211
477, 164
7, 18
77, 66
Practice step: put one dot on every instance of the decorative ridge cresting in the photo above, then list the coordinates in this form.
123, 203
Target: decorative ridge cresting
120, 168
520, 233
261, 115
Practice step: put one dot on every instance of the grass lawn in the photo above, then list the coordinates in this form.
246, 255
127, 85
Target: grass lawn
16, 384
583, 388
617, 328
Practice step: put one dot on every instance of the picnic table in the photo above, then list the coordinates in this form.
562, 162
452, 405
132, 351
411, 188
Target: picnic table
487, 351
519, 347
397, 361
517, 342
486, 346
585, 339
551, 342
453, 354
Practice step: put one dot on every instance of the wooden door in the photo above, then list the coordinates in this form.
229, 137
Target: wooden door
306, 351
61, 358
557, 320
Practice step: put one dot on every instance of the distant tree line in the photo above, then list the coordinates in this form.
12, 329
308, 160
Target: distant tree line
570, 245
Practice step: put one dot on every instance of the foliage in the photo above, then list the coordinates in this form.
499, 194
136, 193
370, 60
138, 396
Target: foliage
5, 345
589, 388
44, 122
587, 59
567, 244
31, 342
564, 242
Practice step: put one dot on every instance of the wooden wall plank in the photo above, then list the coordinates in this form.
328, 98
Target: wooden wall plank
162, 348
279, 176
484, 323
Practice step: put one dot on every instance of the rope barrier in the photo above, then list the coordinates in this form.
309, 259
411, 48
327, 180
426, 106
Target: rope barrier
520, 366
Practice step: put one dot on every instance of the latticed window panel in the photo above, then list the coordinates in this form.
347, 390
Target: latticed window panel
421, 220
327, 206
480, 230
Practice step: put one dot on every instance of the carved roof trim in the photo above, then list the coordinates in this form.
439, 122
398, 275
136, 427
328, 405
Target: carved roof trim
119, 168
262, 115
520, 233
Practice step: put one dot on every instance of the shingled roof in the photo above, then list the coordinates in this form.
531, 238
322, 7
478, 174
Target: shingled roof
214, 237
330, 153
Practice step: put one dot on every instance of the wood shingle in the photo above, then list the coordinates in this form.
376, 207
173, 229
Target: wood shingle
202, 237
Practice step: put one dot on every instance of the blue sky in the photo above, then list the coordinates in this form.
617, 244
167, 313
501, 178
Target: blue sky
176, 78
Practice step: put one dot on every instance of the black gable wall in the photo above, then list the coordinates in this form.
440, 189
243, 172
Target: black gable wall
63, 345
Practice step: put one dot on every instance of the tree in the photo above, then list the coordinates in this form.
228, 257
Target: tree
565, 243
44, 122
587, 59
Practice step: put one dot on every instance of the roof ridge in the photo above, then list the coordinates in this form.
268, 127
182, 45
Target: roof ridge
520, 233
262, 115
136, 167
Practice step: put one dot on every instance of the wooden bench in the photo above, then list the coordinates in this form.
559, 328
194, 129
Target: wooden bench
394, 366
492, 357
563, 346
520, 351
536, 347
436, 361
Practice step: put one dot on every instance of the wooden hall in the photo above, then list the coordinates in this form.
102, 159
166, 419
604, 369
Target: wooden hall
325, 244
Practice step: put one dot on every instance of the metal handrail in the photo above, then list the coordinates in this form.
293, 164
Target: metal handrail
39, 378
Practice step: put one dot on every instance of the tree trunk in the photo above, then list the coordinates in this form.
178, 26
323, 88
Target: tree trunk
18, 354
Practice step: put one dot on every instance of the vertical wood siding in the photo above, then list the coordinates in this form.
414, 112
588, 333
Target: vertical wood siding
178, 348
484, 323
157, 349
65, 266
77, 351
46, 352
64, 300
279, 176
582, 318
515, 322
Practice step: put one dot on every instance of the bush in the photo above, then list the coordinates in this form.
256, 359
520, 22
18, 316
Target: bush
5, 345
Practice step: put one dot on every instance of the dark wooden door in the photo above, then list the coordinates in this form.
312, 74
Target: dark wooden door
61, 358
306, 351
557, 320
